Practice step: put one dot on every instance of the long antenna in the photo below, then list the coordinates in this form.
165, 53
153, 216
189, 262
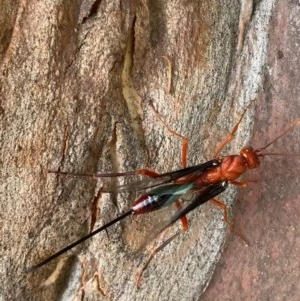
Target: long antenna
289, 128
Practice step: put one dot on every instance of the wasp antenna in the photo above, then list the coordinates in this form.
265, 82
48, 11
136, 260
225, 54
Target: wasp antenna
294, 124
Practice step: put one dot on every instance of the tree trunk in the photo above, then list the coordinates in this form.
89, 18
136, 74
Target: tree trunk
268, 211
77, 82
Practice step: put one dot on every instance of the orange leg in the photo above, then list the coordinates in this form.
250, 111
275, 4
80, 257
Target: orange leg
183, 219
143, 172
223, 207
147, 172
154, 251
229, 137
185, 141
242, 184
152, 254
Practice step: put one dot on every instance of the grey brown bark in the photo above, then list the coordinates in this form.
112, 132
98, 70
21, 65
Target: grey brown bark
74, 99
268, 211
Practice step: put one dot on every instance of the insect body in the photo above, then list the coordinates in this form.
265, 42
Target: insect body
160, 197
203, 182
231, 167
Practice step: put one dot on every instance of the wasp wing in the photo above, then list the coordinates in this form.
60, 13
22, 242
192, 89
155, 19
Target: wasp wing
201, 197
160, 179
167, 215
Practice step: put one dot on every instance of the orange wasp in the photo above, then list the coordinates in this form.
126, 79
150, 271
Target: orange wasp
202, 182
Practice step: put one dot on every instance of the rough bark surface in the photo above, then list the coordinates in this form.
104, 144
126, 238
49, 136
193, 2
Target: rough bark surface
268, 211
76, 97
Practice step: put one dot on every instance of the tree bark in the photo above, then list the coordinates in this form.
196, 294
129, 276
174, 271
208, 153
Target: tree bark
268, 211
77, 79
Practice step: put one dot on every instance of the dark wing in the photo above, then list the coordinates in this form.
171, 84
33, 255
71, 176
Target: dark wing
164, 218
202, 197
164, 178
